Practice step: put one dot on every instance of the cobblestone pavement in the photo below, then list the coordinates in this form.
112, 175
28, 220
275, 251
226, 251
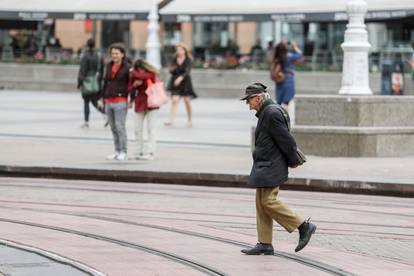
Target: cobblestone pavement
357, 234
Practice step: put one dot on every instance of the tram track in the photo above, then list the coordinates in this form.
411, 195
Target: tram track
298, 259
206, 214
127, 191
208, 270
205, 194
381, 202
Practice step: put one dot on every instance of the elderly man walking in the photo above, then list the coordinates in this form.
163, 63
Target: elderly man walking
275, 151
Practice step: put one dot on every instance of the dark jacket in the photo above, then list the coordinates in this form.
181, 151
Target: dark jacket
117, 87
90, 63
275, 148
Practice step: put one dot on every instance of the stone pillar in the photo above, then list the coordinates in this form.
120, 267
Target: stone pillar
355, 76
153, 42
278, 31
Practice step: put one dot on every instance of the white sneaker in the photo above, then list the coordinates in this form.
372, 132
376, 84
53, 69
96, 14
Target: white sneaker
149, 157
85, 125
113, 156
122, 156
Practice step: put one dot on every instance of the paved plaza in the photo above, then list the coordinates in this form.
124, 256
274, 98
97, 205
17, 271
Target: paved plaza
43, 129
150, 229
118, 228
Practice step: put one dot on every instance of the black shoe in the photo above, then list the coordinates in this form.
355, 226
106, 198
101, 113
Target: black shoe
306, 230
260, 248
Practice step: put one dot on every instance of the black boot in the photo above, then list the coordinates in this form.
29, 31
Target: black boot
260, 248
306, 230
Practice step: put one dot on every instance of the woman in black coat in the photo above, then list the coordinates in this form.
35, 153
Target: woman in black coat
180, 84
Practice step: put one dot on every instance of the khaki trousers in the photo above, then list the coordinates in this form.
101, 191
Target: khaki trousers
269, 208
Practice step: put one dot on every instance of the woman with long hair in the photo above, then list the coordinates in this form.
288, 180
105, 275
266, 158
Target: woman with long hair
180, 83
138, 83
285, 89
115, 96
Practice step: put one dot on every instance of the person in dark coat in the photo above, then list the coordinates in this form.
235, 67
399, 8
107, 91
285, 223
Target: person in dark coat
115, 95
90, 64
180, 84
275, 151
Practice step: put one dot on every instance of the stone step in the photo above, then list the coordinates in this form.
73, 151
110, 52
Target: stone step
358, 111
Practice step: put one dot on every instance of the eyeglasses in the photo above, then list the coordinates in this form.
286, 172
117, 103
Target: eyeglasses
251, 97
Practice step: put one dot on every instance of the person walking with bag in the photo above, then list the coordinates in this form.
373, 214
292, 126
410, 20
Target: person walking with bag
275, 151
283, 71
180, 83
89, 79
143, 75
115, 96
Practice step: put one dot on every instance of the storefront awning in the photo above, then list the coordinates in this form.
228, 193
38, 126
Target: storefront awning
38, 10
266, 10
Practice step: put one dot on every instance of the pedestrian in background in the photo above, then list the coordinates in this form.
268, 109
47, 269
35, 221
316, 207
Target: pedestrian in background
275, 151
283, 65
89, 79
180, 83
115, 95
142, 74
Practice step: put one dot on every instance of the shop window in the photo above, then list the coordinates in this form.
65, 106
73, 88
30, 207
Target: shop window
115, 31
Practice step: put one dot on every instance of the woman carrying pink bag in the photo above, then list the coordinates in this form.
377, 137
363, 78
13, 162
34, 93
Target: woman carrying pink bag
143, 80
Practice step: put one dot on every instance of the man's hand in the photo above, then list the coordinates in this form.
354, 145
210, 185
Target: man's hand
101, 104
130, 105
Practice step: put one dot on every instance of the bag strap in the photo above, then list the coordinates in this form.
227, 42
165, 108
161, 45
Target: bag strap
285, 116
149, 82
99, 63
284, 113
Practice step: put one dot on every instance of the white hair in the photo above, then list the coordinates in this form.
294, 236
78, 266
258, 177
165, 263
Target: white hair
264, 96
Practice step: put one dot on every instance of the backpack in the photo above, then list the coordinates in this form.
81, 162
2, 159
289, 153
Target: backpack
90, 84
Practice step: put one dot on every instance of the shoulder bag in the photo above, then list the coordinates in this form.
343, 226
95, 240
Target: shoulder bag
156, 95
276, 73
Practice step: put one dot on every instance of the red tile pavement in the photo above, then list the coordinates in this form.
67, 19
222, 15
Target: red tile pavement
364, 235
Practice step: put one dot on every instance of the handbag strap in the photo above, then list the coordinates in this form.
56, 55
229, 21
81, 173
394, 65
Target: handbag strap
149, 82
285, 116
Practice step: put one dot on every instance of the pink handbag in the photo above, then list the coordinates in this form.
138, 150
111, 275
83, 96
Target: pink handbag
156, 93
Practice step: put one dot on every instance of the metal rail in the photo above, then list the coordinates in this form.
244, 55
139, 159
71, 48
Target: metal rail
299, 259
173, 257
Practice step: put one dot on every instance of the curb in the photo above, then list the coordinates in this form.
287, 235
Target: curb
211, 179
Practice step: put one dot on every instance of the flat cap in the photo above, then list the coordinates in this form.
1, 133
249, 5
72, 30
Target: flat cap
253, 90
